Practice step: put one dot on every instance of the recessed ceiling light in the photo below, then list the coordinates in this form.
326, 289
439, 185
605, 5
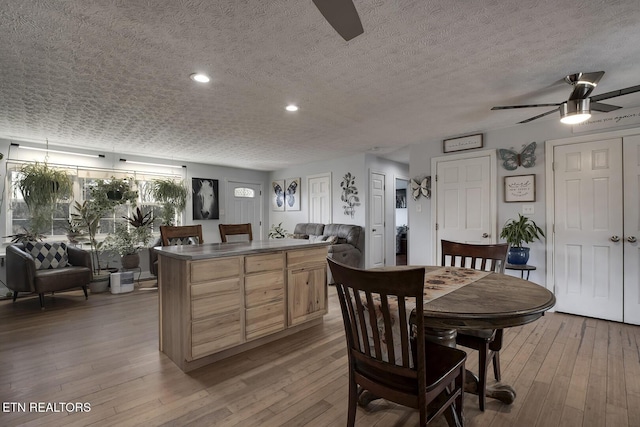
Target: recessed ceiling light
291, 108
200, 78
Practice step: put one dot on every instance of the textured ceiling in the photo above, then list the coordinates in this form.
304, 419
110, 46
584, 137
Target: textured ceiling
114, 75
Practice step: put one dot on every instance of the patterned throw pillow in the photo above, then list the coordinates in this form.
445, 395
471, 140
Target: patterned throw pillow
48, 255
179, 241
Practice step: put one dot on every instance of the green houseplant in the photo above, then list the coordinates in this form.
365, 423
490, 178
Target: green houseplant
277, 232
128, 238
173, 197
42, 187
86, 219
517, 232
89, 213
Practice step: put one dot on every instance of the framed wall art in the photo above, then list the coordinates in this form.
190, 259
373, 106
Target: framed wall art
292, 194
461, 143
277, 195
205, 198
520, 188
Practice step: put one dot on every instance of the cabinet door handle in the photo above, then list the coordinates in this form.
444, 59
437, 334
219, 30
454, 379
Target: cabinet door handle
631, 239
485, 235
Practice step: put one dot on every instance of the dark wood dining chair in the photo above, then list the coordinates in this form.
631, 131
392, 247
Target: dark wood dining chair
488, 342
181, 235
235, 229
389, 361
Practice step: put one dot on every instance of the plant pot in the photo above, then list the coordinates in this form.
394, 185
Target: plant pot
130, 261
100, 282
114, 195
518, 256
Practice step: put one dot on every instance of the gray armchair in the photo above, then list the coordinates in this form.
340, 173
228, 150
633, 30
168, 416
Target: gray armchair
22, 275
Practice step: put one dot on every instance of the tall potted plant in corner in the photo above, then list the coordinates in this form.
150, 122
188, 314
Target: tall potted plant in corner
517, 232
86, 218
42, 187
173, 197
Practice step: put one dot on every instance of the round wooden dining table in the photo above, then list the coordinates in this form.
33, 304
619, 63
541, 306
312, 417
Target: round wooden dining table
495, 301
488, 301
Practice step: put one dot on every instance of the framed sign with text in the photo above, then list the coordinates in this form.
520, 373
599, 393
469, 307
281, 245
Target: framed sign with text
520, 188
462, 143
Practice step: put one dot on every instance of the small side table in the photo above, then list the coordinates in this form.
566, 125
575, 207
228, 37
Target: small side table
521, 268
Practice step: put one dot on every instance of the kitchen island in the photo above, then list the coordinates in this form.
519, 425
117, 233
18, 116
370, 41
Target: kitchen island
217, 300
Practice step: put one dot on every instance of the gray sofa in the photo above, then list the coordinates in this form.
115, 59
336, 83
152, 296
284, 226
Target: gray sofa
349, 249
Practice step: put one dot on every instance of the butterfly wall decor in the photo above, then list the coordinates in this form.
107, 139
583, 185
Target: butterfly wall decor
277, 197
292, 194
421, 186
512, 159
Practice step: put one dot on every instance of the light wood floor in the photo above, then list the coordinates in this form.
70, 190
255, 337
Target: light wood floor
567, 371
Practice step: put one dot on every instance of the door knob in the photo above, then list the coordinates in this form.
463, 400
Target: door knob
374, 230
485, 235
631, 239
614, 239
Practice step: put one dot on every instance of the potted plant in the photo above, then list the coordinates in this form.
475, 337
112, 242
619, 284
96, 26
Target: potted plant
74, 233
114, 191
130, 237
517, 232
173, 197
86, 218
277, 232
42, 187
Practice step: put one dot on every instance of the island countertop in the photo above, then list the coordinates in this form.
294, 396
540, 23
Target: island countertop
219, 250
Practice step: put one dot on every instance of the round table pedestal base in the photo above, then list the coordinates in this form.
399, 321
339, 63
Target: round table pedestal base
502, 392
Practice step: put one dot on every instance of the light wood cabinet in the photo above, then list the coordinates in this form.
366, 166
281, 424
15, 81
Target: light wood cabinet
306, 285
215, 303
216, 306
264, 295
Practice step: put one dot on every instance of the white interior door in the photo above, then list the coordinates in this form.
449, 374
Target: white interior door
464, 201
244, 204
588, 245
320, 209
377, 219
631, 148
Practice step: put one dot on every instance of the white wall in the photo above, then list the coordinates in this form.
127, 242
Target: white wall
360, 166
338, 168
420, 222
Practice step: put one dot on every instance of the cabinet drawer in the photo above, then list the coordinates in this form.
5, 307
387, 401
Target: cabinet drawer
306, 257
206, 270
264, 320
208, 299
264, 288
216, 333
258, 263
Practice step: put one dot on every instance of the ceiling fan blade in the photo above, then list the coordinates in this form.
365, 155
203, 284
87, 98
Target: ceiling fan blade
510, 107
538, 116
615, 93
584, 83
342, 15
604, 108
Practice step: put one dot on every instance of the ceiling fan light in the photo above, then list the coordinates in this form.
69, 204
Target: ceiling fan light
575, 111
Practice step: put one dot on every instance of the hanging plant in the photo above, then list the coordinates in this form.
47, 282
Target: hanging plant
42, 187
172, 195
